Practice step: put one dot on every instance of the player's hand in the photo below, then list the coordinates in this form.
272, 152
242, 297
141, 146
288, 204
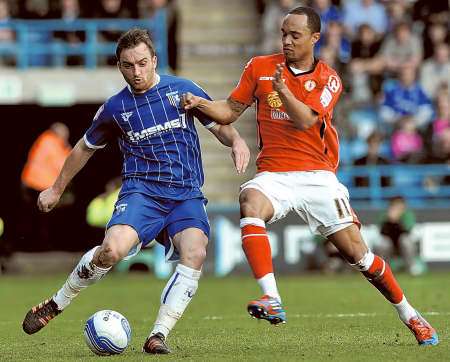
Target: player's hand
277, 82
189, 101
48, 199
240, 154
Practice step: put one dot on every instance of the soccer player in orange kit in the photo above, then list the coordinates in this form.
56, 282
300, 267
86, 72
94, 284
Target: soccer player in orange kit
299, 154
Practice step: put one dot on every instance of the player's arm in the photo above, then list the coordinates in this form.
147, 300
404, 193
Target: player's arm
223, 111
230, 137
300, 114
76, 160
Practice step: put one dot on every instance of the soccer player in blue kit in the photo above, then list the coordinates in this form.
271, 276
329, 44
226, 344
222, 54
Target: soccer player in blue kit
161, 195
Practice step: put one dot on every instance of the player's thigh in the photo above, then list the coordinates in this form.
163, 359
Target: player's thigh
188, 230
139, 216
267, 196
191, 241
322, 202
253, 203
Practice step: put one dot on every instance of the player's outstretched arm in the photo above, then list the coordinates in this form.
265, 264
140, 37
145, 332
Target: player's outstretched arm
76, 160
301, 115
230, 137
222, 111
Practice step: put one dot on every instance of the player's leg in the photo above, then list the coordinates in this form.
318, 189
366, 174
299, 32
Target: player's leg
350, 244
185, 238
180, 288
119, 239
256, 209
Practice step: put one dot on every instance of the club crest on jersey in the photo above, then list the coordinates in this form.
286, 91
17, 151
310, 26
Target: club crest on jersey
333, 83
310, 85
273, 99
174, 98
126, 116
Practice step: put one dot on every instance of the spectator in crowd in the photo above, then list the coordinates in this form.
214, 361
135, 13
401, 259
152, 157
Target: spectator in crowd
45, 160
327, 11
401, 49
398, 12
100, 209
69, 11
435, 11
7, 35
442, 120
335, 38
271, 24
398, 239
365, 67
365, 12
372, 158
434, 34
435, 72
406, 142
405, 97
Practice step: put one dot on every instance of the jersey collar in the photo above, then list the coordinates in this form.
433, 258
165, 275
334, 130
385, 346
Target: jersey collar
316, 61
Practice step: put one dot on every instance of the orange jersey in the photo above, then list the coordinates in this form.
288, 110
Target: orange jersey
284, 147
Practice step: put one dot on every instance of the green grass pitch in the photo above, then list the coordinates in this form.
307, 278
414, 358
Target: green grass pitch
330, 318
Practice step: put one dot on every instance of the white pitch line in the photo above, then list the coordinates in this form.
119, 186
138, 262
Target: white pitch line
243, 315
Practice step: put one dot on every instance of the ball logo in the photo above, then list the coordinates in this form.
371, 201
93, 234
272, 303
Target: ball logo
333, 83
310, 85
274, 100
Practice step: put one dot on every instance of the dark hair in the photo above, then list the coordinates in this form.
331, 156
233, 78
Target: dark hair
133, 38
313, 17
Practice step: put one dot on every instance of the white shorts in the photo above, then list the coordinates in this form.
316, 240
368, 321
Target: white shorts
316, 196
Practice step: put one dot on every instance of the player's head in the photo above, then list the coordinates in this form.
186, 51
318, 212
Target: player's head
300, 32
136, 59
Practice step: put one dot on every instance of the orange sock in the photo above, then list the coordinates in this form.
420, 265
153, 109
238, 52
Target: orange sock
257, 249
380, 275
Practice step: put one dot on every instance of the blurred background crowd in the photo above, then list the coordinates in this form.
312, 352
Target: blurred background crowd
392, 55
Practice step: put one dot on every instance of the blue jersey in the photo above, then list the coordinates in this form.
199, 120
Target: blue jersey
158, 139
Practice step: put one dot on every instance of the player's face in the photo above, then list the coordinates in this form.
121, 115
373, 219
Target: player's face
298, 40
137, 66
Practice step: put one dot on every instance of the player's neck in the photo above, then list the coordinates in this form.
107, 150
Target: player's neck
303, 64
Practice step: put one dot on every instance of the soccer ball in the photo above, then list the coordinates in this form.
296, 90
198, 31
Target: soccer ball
107, 332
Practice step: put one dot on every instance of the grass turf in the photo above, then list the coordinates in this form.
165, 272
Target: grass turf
337, 318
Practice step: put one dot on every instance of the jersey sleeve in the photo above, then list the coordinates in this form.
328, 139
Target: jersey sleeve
101, 130
196, 90
323, 99
244, 91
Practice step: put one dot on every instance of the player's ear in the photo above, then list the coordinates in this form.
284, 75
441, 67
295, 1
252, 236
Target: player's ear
315, 38
155, 61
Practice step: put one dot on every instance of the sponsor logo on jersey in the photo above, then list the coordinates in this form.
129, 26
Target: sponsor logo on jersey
326, 97
126, 116
174, 98
310, 85
157, 130
266, 78
273, 99
277, 114
333, 83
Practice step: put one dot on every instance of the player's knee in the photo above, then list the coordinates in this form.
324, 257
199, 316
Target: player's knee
194, 255
108, 256
247, 206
